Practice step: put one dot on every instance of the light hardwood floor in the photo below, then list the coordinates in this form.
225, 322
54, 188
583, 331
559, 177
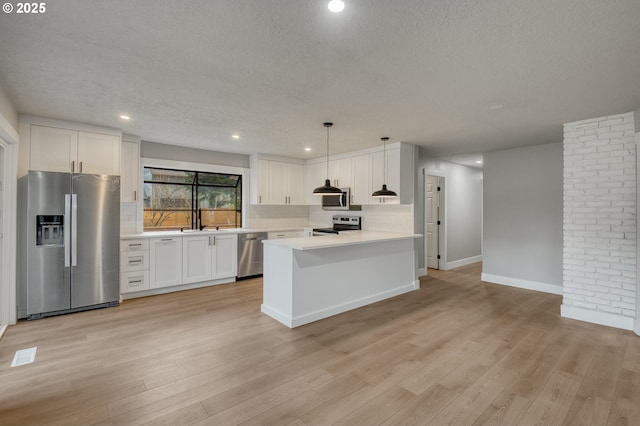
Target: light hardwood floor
457, 351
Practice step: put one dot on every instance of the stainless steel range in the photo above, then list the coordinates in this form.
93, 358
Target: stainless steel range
340, 223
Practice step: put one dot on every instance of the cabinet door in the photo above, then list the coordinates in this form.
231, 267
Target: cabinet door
196, 259
296, 184
263, 182
129, 172
52, 149
340, 172
166, 262
392, 178
360, 184
278, 182
315, 174
224, 256
98, 153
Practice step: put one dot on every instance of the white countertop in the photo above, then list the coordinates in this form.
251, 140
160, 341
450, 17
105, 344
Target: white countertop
168, 234
345, 238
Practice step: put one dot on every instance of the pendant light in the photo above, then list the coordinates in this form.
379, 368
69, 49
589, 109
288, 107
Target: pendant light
327, 189
384, 192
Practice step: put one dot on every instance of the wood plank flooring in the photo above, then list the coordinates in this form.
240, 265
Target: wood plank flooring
458, 351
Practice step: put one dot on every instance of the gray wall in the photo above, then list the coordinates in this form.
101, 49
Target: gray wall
463, 207
523, 214
193, 155
7, 110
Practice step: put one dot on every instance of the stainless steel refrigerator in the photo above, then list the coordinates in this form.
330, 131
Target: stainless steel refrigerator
70, 243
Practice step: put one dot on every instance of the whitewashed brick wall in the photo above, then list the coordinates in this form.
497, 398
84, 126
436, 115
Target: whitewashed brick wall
599, 265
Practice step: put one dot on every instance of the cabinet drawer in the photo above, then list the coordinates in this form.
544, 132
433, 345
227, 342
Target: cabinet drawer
134, 261
131, 245
134, 281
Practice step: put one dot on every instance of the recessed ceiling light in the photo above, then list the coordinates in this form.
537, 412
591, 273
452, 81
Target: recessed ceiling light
496, 106
235, 136
307, 149
125, 117
336, 6
479, 162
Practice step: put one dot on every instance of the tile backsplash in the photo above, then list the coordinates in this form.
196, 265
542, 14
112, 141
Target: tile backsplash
389, 217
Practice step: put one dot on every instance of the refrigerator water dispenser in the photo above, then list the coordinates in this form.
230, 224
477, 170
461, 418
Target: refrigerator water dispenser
50, 230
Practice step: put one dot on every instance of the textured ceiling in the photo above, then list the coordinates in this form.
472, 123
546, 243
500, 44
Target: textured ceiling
422, 71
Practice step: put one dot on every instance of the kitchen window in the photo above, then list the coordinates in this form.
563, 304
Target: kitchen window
185, 199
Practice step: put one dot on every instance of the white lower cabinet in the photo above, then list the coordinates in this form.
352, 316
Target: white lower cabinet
196, 255
224, 256
134, 265
209, 257
165, 266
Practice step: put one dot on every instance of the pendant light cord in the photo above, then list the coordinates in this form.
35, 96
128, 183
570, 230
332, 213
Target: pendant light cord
327, 152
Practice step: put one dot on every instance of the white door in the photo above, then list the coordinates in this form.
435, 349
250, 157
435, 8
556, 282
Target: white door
432, 208
1, 232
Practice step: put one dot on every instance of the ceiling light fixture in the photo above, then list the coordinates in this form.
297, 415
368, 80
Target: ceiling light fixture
479, 162
327, 189
125, 117
307, 149
336, 6
235, 136
495, 106
384, 192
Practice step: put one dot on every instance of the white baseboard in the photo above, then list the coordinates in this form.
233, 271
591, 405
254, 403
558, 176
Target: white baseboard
335, 310
463, 262
636, 326
421, 272
595, 317
3, 328
517, 282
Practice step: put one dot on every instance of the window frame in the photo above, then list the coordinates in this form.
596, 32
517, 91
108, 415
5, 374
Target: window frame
193, 167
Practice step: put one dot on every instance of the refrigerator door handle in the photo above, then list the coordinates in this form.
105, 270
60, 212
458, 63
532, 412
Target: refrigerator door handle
67, 215
74, 229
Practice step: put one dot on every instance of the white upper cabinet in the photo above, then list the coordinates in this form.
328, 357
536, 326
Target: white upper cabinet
55, 149
130, 172
52, 149
363, 172
277, 182
340, 174
361, 185
98, 154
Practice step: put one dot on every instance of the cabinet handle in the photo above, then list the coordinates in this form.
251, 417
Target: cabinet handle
259, 199
214, 240
135, 195
136, 261
135, 245
73, 167
81, 167
135, 281
166, 239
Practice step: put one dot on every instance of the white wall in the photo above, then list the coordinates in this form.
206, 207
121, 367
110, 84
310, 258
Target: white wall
192, 155
600, 220
463, 210
522, 243
9, 140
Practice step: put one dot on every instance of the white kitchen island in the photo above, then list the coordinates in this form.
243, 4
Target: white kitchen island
307, 279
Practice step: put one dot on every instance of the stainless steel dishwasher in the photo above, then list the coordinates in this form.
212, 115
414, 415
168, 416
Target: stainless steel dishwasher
250, 253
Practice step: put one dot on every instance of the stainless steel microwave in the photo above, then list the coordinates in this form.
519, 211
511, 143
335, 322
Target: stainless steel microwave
339, 201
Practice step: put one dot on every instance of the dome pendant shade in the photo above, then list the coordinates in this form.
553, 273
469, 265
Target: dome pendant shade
327, 189
384, 192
